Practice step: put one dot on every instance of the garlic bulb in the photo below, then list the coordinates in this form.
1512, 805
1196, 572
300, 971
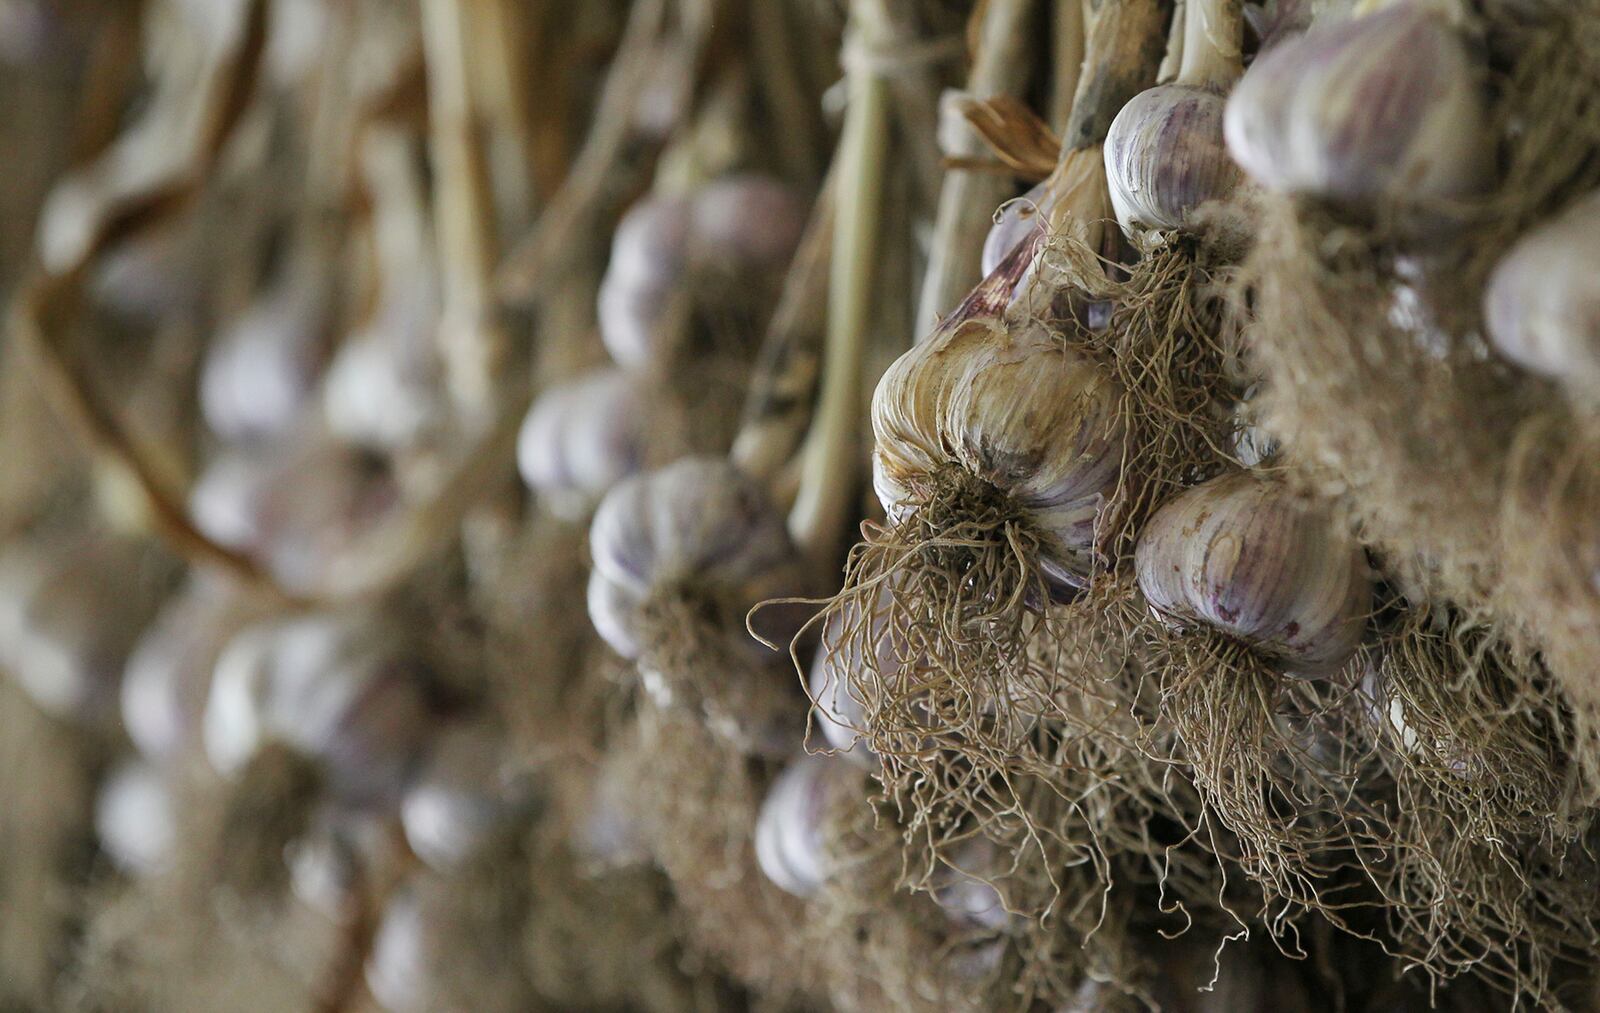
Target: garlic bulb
71, 611
747, 222
385, 386
698, 530
1165, 153
640, 306
1010, 409
962, 889
1019, 220
339, 689
461, 801
1542, 303
293, 508
168, 674
790, 848
135, 819
262, 370
1387, 106
1248, 557
584, 436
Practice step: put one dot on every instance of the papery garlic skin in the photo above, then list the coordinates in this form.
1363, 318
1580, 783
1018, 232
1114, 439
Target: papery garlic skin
584, 436
1166, 157
460, 802
71, 611
135, 819
1249, 557
341, 690
1387, 106
698, 528
1542, 302
789, 843
1011, 408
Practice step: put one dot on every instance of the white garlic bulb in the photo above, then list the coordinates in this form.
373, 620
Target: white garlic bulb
1165, 153
294, 508
262, 370
168, 674
71, 610
340, 689
135, 819
641, 304
1249, 557
1387, 106
1012, 410
461, 801
745, 221
698, 530
789, 837
385, 386
963, 891
582, 437
1542, 303
841, 716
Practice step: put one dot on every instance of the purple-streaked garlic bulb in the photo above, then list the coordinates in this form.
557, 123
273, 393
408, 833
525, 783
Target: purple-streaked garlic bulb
1542, 303
745, 222
1386, 107
584, 436
790, 830
462, 801
262, 371
1010, 410
135, 819
1249, 557
294, 508
641, 296
71, 611
1019, 220
1165, 153
345, 691
698, 532
169, 673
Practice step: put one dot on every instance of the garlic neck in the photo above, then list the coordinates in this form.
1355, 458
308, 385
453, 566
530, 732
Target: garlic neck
1212, 37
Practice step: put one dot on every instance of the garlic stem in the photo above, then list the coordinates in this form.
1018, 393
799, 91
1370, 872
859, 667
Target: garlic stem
1000, 66
1125, 44
828, 470
1066, 56
1170, 63
472, 346
1212, 39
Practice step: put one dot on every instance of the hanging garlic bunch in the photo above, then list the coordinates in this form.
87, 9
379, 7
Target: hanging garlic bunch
1386, 107
462, 801
1165, 154
584, 436
998, 411
70, 614
1542, 303
742, 226
340, 690
790, 831
294, 507
681, 555
1246, 556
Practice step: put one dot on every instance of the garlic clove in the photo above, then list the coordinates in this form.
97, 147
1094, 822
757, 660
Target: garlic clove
135, 819
1166, 157
1248, 557
167, 676
1019, 220
1387, 106
789, 836
1542, 302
